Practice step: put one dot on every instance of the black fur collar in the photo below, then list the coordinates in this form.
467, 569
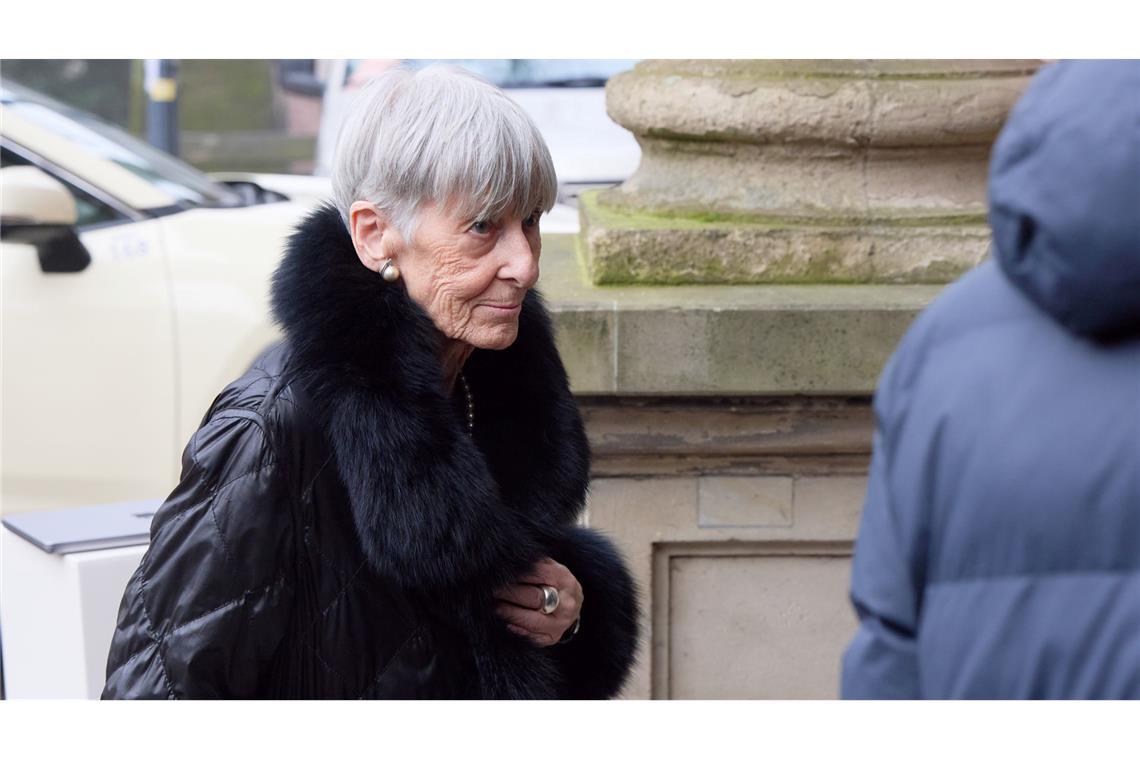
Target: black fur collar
437, 512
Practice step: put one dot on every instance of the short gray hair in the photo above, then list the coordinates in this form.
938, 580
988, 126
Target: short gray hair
444, 135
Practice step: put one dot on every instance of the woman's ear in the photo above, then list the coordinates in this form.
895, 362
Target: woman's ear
373, 235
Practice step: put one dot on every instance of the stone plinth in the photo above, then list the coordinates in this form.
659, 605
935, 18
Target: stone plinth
722, 340
730, 427
801, 171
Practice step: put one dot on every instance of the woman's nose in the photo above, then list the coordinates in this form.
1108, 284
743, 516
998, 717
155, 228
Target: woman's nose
520, 261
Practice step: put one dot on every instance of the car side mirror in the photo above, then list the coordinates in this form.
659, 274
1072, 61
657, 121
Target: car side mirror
37, 209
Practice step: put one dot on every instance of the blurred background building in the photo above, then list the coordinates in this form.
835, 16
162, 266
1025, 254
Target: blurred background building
280, 116
233, 114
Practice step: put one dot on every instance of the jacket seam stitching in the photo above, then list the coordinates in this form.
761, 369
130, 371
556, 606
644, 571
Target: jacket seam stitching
311, 627
296, 498
262, 376
156, 639
343, 590
307, 491
258, 418
237, 413
212, 495
224, 414
228, 603
218, 528
231, 481
152, 644
312, 544
391, 661
322, 661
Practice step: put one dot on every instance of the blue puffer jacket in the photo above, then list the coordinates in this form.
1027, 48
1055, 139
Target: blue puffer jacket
999, 554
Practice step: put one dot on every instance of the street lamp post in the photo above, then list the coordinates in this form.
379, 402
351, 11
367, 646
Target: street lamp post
161, 84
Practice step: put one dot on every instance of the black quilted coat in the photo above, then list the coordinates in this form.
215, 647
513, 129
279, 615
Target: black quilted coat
337, 534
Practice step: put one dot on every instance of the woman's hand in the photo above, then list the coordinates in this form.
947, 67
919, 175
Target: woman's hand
520, 604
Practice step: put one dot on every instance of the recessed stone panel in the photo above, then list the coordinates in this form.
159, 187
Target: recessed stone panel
757, 627
744, 502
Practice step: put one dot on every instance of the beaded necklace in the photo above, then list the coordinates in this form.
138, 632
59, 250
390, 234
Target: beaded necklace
470, 405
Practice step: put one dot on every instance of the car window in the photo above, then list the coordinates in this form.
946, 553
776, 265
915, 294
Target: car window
175, 178
90, 211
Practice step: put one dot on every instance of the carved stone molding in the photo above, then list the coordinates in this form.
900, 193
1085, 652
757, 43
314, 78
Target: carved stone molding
801, 171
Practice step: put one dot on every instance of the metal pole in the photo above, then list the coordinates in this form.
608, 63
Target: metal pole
161, 84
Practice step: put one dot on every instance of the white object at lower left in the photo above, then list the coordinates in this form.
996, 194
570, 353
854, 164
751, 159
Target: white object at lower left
57, 616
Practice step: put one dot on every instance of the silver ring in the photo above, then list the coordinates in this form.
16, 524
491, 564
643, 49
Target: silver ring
549, 599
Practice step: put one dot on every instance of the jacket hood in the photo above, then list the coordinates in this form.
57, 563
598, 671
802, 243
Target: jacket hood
1064, 196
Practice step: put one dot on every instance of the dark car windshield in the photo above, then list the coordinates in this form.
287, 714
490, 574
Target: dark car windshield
175, 178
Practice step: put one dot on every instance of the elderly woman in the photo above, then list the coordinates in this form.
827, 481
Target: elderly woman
385, 504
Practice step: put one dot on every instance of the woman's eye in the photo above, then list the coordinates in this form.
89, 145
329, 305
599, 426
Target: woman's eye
531, 220
481, 227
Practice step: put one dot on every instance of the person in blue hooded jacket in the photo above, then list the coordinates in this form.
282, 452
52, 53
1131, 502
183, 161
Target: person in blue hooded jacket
999, 553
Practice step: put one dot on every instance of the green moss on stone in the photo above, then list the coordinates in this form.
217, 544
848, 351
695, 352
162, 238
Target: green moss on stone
620, 248
608, 208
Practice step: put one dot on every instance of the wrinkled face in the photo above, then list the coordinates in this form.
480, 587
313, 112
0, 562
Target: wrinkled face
469, 275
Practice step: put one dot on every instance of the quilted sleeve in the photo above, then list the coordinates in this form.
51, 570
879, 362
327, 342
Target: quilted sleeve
207, 607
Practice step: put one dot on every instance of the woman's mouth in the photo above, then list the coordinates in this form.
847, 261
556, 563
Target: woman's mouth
503, 308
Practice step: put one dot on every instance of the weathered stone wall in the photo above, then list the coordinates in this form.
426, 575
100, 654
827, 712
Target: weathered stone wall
738, 517
724, 316
731, 430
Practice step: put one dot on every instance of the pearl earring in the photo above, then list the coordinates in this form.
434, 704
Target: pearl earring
389, 272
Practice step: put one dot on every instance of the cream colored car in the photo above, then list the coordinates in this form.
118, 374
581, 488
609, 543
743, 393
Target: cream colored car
134, 288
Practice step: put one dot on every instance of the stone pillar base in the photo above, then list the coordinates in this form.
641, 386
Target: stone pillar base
801, 171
